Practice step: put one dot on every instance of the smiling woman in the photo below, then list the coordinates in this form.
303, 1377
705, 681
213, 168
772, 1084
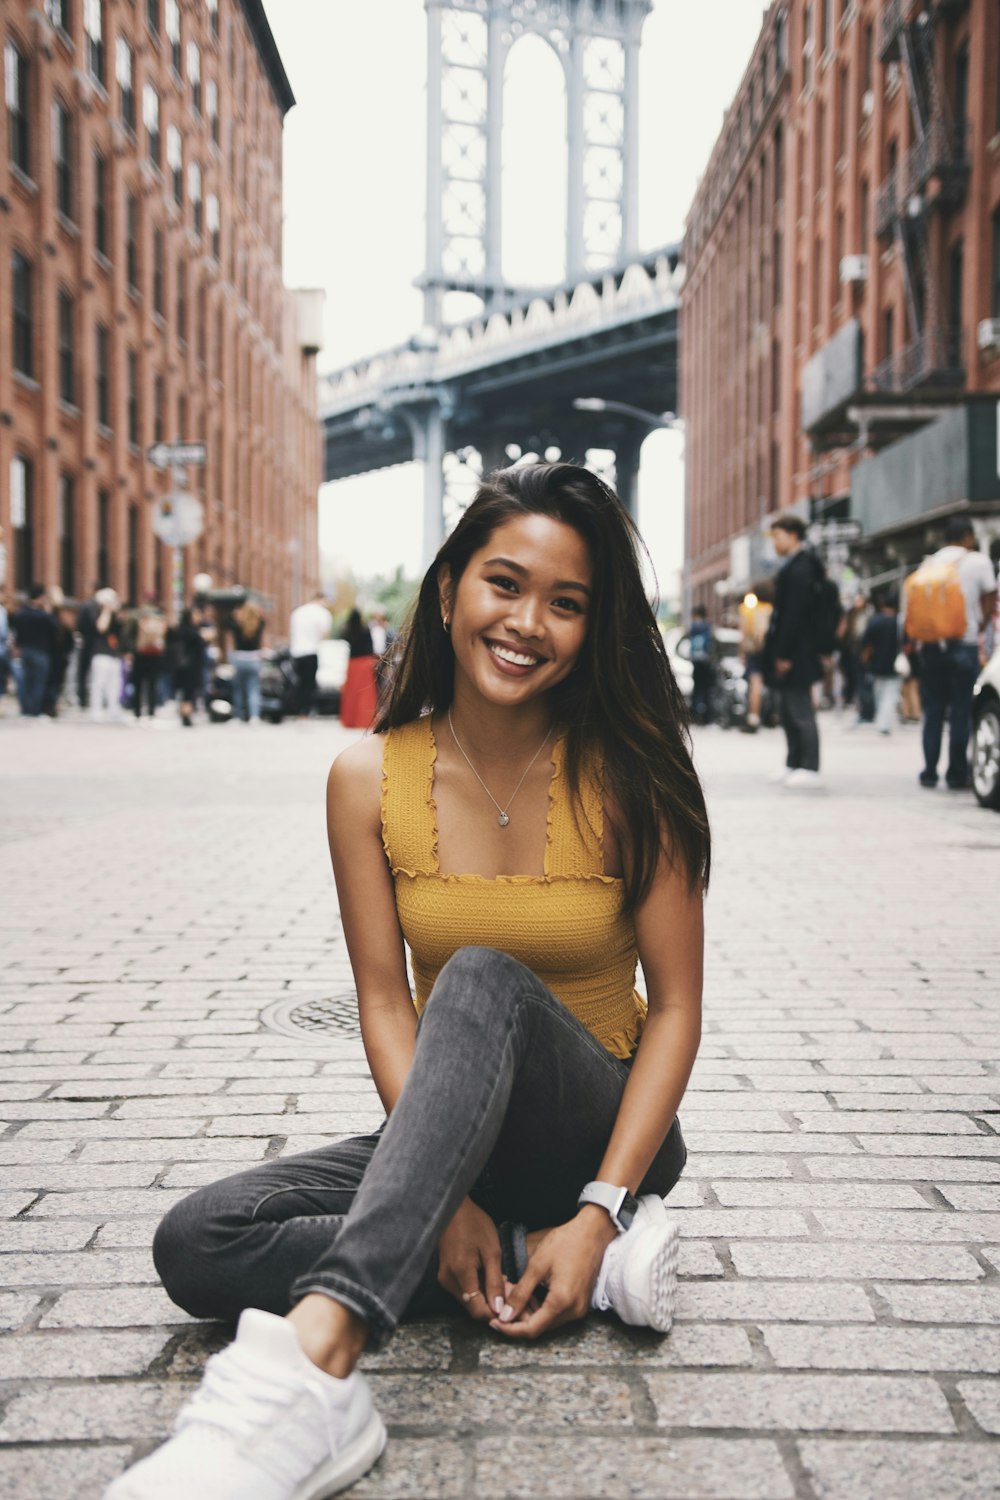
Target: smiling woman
532, 1130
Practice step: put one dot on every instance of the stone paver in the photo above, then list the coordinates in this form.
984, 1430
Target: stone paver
838, 1323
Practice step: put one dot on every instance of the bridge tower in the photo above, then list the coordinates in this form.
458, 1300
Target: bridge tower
469, 41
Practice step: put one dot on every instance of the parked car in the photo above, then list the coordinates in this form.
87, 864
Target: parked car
986, 734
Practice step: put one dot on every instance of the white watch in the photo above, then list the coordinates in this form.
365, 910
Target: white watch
619, 1204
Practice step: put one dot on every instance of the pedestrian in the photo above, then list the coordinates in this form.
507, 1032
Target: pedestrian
755, 617
33, 630
383, 640
539, 1089
791, 652
63, 645
359, 695
187, 649
247, 629
86, 618
879, 652
105, 685
5, 650
949, 600
309, 625
147, 653
701, 644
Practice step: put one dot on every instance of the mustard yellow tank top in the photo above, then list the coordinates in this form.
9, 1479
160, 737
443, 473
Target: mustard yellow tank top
567, 926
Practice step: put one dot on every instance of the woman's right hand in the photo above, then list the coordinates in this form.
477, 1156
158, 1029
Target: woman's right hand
469, 1265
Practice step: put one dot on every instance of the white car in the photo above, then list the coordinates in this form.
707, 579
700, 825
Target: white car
986, 734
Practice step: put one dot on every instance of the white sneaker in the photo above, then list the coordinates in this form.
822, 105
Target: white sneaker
265, 1424
803, 781
638, 1275
778, 778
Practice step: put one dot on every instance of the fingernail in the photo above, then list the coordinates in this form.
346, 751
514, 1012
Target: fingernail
498, 1305
506, 1313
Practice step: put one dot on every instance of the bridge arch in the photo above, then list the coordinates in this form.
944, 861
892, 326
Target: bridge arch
535, 168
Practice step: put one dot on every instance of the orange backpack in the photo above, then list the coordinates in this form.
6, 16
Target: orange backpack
935, 603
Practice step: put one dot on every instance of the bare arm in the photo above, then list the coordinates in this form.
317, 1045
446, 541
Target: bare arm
368, 911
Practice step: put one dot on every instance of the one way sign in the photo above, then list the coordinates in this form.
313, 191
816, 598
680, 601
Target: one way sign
177, 455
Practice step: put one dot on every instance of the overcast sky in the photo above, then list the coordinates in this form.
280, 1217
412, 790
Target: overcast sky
354, 205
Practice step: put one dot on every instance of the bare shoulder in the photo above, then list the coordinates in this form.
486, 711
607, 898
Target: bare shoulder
355, 778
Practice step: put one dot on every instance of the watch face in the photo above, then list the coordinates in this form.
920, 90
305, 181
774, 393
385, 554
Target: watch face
628, 1210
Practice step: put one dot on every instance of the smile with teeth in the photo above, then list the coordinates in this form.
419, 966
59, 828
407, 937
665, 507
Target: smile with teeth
512, 657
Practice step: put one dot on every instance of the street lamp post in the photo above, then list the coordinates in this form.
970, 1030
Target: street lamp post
666, 419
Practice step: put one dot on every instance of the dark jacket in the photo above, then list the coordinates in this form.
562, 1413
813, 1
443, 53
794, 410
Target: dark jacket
791, 634
33, 629
880, 645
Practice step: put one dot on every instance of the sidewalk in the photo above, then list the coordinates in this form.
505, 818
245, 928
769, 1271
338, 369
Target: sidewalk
839, 1320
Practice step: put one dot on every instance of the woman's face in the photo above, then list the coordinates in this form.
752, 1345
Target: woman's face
519, 616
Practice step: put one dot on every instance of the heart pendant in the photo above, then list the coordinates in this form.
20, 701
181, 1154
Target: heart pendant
503, 820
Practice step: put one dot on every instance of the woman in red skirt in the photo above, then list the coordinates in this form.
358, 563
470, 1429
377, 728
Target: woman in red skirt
359, 696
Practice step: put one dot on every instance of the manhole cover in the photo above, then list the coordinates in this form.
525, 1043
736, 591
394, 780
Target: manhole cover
315, 1019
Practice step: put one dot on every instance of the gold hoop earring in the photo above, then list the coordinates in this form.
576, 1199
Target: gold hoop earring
446, 626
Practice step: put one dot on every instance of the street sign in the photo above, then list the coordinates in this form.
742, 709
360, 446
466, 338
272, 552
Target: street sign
178, 519
177, 455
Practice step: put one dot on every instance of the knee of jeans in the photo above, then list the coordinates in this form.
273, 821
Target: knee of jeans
463, 979
181, 1253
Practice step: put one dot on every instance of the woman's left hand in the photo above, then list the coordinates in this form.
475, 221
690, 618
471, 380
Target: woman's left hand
566, 1263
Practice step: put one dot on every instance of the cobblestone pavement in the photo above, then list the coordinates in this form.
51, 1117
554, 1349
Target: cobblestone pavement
839, 1315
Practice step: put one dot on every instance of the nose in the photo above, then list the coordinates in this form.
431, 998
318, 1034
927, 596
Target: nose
524, 617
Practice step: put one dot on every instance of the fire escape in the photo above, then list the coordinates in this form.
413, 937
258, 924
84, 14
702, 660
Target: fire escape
932, 178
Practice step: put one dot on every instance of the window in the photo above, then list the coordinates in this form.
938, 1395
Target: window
839, 247
202, 322
15, 73
865, 196
868, 60
842, 84
151, 120
132, 565
995, 288
778, 268
132, 392
159, 409
100, 204
779, 165
826, 29
819, 258
175, 163
807, 45
888, 333
23, 319
172, 13
66, 517
960, 108
153, 16
62, 156
103, 377
124, 73
213, 17
212, 106
182, 301
58, 13
22, 521
194, 193
132, 241
67, 352
194, 74
212, 216
775, 377
103, 537
93, 26
158, 269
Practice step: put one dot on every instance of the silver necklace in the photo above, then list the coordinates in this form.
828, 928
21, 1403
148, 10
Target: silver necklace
503, 813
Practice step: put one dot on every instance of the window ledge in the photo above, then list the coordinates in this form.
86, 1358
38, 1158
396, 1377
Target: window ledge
27, 382
104, 432
103, 262
67, 225
69, 409
135, 295
26, 183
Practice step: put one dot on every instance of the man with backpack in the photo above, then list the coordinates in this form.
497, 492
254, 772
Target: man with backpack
949, 599
802, 630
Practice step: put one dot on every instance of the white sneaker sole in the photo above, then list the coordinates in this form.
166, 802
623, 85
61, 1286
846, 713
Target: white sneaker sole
340, 1472
664, 1281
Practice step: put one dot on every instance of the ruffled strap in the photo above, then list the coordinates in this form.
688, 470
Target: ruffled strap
408, 814
575, 835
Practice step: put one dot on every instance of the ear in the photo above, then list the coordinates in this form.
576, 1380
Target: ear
446, 593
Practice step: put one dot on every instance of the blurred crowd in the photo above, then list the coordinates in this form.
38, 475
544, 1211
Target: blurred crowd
213, 662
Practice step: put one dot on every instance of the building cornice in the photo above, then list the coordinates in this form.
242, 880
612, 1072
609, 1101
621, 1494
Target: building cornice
269, 54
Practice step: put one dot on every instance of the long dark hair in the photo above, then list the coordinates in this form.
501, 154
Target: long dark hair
621, 697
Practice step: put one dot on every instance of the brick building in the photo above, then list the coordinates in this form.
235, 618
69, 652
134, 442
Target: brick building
141, 298
841, 313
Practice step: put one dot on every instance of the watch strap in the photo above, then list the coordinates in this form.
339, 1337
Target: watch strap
617, 1202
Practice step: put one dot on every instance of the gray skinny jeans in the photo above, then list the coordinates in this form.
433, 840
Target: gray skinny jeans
509, 1099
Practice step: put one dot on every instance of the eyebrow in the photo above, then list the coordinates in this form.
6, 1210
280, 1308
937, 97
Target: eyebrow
565, 583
